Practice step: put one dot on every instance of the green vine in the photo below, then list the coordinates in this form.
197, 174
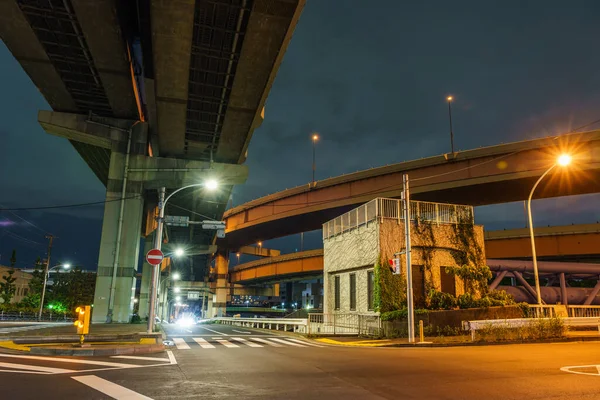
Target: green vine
468, 256
389, 292
424, 230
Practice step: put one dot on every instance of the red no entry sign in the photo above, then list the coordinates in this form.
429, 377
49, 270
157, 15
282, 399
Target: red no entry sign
154, 257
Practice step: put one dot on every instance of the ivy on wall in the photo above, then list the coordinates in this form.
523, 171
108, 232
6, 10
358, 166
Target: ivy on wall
468, 256
389, 292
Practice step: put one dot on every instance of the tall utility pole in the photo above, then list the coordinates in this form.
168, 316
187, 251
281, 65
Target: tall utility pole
50, 239
155, 268
409, 287
450, 98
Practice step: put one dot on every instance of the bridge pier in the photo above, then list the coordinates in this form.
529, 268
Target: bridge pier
222, 267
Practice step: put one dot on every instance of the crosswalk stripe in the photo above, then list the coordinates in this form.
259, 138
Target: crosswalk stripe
142, 358
203, 343
226, 343
37, 368
286, 342
247, 343
181, 344
306, 343
110, 389
266, 342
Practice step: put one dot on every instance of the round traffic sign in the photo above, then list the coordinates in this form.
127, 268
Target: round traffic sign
154, 257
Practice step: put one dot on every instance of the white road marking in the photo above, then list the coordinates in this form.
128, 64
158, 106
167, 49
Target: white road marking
286, 342
37, 368
203, 343
110, 389
226, 343
72, 360
181, 344
142, 358
267, 342
306, 343
573, 369
171, 357
241, 331
217, 332
247, 343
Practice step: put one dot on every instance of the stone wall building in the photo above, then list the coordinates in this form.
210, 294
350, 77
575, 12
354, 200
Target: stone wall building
21, 283
354, 242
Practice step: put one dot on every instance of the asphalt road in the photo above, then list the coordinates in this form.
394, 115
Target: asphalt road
204, 367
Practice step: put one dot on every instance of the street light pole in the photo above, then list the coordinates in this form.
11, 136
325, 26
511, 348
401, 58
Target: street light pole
50, 239
315, 137
162, 202
450, 98
563, 160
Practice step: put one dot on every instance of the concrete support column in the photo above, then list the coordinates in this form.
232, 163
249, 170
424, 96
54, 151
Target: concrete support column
563, 289
222, 267
127, 249
146, 280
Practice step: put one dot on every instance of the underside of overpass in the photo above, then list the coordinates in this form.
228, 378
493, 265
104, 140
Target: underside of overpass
152, 94
489, 175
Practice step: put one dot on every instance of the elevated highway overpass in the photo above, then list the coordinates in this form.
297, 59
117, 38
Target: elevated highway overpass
152, 93
558, 243
489, 175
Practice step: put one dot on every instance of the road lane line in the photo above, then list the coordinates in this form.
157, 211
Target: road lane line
286, 342
241, 331
267, 342
71, 360
247, 343
203, 343
212, 330
171, 357
181, 344
110, 389
226, 343
306, 343
142, 358
37, 368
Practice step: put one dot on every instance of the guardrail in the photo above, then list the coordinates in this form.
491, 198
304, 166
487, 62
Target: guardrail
46, 317
584, 311
474, 326
298, 325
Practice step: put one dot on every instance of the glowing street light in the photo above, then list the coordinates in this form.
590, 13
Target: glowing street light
176, 289
178, 298
176, 276
179, 252
563, 160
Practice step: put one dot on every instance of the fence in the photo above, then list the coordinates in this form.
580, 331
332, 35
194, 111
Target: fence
438, 213
584, 311
47, 316
344, 324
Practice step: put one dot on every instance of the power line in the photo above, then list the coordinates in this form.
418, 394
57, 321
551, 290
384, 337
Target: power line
69, 205
27, 222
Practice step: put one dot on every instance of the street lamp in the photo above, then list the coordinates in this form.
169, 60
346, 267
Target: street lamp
210, 184
46, 277
179, 252
450, 99
175, 276
247, 302
238, 258
562, 161
315, 137
176, 289
260, 248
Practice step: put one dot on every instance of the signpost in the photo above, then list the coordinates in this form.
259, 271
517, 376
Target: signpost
154, 257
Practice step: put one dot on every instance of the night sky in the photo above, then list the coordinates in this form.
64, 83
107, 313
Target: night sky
371, 78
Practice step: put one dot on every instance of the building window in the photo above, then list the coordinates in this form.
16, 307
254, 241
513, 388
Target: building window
352, 292
448, 282
370, 286
337, 292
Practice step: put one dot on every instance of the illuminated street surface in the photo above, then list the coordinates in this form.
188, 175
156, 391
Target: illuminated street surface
283, 371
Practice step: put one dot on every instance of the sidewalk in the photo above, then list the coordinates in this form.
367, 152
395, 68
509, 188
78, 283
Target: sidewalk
103, 340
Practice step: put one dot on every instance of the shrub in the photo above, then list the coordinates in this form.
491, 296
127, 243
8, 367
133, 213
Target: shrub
500, 298
399, 314
538, 329
466, 300
440, 301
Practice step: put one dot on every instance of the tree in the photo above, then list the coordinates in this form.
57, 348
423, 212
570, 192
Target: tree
13, 259
8, 287
35, 286
72, 289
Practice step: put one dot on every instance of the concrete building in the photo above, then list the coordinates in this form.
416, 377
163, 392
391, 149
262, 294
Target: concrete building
21, 283
443, 235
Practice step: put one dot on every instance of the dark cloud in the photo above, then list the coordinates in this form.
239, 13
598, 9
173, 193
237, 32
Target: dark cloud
371, 77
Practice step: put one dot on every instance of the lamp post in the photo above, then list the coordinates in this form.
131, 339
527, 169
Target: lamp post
174, 277
46, 277
238, 258
450, 99
315, 137
162, 203
562, 161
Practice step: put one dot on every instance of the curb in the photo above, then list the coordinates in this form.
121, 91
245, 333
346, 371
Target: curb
463, 344
97, 352
136, 337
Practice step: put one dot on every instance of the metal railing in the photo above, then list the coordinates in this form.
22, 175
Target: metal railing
47, 317
344, 324
438, 213
584, 311
297, 325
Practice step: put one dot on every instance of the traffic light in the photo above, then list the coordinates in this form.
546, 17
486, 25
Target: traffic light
83, 321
